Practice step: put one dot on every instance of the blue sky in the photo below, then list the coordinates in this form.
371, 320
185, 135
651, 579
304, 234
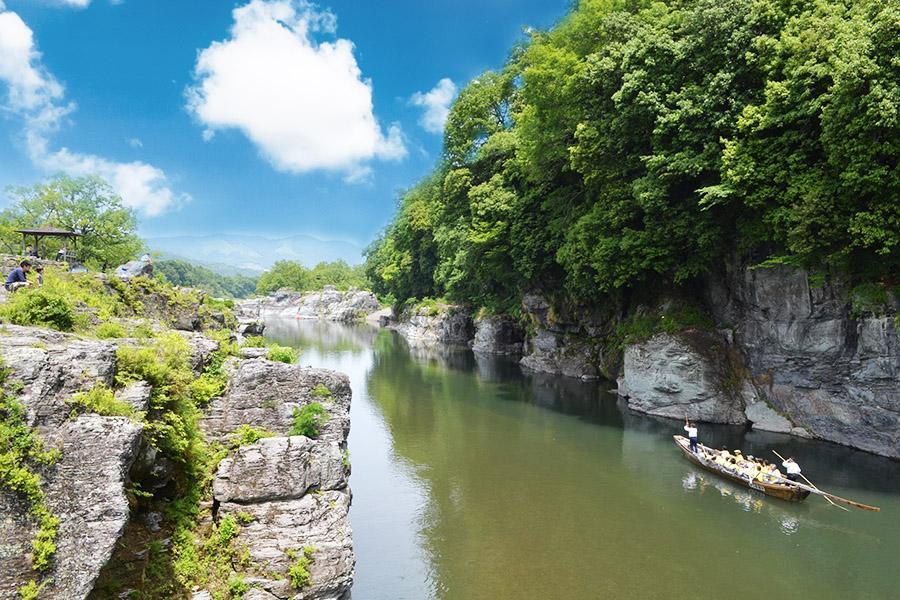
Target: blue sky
268, 118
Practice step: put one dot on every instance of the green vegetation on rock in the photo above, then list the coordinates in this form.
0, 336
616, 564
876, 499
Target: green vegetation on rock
183, 273
308, 421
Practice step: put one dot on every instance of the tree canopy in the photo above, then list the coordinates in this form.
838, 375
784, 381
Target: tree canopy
87, 205
183, 273
288, 274
642, 143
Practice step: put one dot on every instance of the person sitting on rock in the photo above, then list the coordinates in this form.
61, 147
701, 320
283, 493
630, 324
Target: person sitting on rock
691, 429
18, 277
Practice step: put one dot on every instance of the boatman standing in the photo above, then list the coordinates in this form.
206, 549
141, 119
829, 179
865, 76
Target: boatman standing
792, 468
691, 429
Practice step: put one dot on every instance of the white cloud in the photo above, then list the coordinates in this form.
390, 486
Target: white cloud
35, 96
436, 104
303, 103
135, 143
72, 3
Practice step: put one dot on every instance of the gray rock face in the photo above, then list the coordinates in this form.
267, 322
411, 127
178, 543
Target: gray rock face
498, 334
279, 468
566, 344
86, 490
450, 325
137, 394
327, 304
294, 488
836, 377
53, 366
134, 268
669, 376
265, 393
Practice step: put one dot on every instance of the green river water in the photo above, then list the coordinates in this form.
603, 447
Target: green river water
472, 479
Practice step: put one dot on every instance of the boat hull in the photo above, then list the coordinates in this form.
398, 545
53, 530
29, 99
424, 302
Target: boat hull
776, 490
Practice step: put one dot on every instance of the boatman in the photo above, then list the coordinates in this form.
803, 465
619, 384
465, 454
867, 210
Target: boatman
691, 429
792, 468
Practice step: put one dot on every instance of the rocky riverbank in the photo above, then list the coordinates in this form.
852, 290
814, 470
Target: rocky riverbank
154, 481
782, 351
328, 304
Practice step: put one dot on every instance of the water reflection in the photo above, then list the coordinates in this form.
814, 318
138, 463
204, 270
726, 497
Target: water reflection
490, 483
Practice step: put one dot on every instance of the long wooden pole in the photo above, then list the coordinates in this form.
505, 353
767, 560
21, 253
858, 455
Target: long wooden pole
828, 496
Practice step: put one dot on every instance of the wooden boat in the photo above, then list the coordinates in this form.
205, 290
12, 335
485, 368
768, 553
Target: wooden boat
788, 492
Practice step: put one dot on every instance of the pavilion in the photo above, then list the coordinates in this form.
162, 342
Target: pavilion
53, 232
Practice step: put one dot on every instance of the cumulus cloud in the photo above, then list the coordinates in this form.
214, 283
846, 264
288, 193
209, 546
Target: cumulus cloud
302, 102
436, 104
35, 96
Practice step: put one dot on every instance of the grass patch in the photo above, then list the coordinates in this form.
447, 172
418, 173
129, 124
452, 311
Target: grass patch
110, 330
41, 307
99, 400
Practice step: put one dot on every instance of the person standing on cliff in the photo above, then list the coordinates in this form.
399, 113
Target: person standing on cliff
691, 429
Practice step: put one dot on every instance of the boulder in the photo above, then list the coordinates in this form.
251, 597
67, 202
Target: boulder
498, 334
279, 468
681, 375
764, 418
134, 268
137, 394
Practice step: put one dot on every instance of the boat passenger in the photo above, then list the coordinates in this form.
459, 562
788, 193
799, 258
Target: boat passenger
691, 429
792, 468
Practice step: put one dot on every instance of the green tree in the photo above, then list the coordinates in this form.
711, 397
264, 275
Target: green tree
87, 205
183, 273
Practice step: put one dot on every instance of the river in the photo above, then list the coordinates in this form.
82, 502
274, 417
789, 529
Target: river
473, 480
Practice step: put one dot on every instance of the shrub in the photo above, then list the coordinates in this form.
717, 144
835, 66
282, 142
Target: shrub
247, 434
321, 391
283, 354
110, 330
206, 387
39, 307
100, 400
868, 298
299, 571
254, 341
309, 420
237, 587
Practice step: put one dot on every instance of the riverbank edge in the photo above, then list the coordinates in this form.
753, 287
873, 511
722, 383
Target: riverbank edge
775, 349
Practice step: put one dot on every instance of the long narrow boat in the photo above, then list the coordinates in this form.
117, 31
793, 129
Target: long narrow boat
787, 492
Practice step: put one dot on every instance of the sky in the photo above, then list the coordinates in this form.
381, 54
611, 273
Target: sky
246, 132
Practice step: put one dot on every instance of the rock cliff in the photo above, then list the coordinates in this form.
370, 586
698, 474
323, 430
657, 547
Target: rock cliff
291, 491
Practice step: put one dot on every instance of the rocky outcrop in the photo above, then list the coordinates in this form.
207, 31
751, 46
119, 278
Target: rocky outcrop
498, 334
85, 489
441, 324
683, 375
565, 342
291, 491
328, 304
834, 375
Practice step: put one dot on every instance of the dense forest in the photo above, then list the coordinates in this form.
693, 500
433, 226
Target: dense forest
288, 274
186, 274
640, 144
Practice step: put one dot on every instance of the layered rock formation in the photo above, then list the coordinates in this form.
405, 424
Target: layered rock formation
834, 374
436, 325
327, 304
293, 490
85, 489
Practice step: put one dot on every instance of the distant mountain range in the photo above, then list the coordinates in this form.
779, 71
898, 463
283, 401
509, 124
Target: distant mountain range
251, 254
